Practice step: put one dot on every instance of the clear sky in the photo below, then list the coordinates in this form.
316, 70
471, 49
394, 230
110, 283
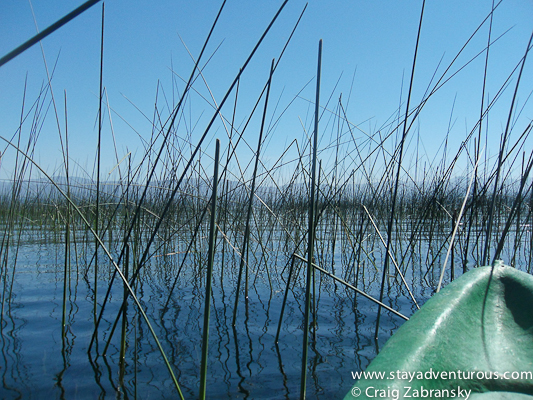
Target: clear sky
368, 48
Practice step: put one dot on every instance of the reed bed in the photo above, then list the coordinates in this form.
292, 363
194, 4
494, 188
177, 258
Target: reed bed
263, 259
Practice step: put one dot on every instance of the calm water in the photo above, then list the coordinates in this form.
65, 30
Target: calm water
244, 362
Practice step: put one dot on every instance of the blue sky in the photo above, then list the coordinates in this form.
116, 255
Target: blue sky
367, 56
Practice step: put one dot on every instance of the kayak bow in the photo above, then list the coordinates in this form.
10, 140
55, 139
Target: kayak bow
474, 339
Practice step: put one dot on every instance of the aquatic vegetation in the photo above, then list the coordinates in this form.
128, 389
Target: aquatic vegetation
195, 272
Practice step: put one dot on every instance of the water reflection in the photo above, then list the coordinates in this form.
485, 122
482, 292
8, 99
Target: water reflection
44, 350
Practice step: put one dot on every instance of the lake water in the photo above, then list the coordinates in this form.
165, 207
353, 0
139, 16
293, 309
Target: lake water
244, 361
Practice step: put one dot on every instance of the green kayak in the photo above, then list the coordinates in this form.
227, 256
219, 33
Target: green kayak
474, 340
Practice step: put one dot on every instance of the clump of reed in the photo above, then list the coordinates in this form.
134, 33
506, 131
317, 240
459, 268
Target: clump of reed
366, 221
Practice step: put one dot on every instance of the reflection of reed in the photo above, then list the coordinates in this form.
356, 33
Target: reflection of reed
240, 363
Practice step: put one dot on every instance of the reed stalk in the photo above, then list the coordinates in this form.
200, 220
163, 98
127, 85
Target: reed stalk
501, 155
244, 250
98, 156
397, 181
122, 355
477, 148
66, 276
40, 36
457, 221
209, 278
515, 208
343, 282
311, 232
285, 298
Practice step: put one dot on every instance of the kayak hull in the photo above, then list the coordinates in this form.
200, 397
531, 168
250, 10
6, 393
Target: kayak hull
475, 336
